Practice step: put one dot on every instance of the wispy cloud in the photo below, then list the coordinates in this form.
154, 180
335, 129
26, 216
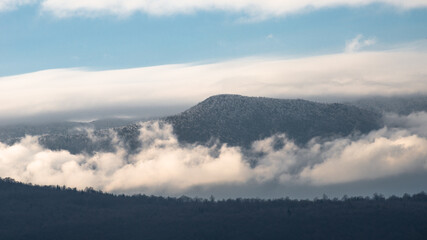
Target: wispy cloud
351, 75
7, 5
254, 8
358, 43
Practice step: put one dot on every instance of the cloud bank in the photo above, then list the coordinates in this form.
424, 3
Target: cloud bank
254, 8
337, 75
162, 165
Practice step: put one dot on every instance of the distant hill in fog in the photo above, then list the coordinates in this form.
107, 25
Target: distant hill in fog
402, 105
239, 120
12, 132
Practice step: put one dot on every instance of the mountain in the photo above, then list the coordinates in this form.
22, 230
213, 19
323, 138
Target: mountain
402, 105
232, 119
76, 137
12, 133
239, 120
95, 140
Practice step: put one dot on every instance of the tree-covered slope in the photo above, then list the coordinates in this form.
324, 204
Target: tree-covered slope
232, 119
239, 120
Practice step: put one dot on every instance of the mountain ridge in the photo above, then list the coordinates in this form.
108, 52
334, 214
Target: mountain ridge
232, 119
240, 120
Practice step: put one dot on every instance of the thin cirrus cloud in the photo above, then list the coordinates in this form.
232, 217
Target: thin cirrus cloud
335, 76
7, 5
166, 7
358, 43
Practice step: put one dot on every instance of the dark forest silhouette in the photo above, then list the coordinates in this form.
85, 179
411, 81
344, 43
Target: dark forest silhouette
54, 212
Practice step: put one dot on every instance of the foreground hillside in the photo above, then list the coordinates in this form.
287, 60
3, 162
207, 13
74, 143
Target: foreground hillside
33, 212
239, 120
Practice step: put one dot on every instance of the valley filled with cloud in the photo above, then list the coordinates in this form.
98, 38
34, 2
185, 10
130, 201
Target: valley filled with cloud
164, 166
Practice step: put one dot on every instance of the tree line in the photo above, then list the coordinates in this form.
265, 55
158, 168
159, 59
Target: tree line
56, 212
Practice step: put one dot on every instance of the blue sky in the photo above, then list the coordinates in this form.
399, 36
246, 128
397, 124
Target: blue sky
33, 39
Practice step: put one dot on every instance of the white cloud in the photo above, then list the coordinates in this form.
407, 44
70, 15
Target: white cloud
350, 75
164, 7
161, 164
359, 43
378, 155
165, 166
254, 8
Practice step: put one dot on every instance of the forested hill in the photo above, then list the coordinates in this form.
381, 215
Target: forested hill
239, 120
33, 212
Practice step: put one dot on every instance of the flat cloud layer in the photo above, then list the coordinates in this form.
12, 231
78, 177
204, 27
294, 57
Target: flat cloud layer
255, 8
345, 75
164, 166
